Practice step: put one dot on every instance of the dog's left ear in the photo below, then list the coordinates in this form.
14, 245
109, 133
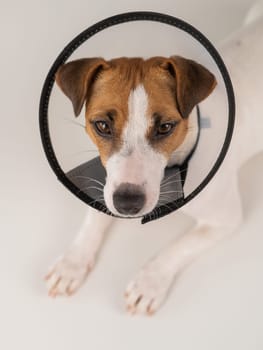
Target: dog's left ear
193, 82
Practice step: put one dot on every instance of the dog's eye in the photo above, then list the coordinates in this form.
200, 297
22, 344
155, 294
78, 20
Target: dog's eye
102, 128
165, 128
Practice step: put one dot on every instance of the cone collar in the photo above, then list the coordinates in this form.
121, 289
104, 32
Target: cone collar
215, 129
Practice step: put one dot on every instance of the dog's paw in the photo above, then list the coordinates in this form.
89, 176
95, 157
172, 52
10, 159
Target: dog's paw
68, 273
148, 290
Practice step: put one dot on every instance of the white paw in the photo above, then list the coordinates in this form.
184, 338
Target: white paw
68, 273
146, 293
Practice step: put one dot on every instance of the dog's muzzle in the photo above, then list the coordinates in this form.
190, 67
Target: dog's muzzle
129, 199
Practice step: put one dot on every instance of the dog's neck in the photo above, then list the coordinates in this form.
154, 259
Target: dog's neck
184, 150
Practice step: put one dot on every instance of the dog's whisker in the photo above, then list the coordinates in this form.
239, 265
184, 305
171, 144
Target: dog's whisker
172, 176
165, 200
167, 195
170, 180
75, 122
170, 192
168, 186
169, 183
90, 179
91, 187
99, 199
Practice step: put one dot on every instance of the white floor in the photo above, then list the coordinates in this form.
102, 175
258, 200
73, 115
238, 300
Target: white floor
216, 304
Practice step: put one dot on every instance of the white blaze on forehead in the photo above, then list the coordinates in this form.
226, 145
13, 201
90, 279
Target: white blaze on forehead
138, 123
136, 162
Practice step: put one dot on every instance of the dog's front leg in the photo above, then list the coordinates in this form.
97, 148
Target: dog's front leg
71, 269
149, 288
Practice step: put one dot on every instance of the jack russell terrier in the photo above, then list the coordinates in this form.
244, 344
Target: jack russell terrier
138, 113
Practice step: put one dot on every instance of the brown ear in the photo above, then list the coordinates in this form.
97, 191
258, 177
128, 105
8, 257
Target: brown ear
75, 79
193, 82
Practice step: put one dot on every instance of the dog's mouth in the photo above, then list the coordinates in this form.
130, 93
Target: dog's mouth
133, 200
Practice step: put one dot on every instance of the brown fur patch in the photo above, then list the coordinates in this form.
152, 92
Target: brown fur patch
161, 90
110, 94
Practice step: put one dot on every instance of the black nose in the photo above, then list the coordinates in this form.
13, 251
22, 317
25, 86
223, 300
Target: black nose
128, 199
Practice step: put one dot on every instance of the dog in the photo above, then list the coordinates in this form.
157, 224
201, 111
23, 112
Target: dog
139, 113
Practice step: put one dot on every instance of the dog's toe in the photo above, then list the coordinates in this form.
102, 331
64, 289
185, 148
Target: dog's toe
146, 293
67, 274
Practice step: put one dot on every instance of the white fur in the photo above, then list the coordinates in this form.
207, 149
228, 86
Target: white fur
181, 153
71, 269
254, 13
136, 162
216, 215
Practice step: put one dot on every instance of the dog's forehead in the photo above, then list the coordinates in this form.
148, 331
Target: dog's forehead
125, 74
137, 90
130, 72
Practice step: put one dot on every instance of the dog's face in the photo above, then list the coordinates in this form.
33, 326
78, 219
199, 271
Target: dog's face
137, 115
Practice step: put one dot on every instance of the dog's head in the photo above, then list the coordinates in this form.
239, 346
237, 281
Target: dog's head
137, 114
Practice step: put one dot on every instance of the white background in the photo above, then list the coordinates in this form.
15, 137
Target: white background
215, 304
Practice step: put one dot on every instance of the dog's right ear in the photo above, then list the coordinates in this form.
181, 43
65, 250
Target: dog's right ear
76, 78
